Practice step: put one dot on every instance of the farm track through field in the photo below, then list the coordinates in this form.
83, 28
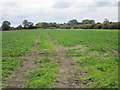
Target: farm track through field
28, 61
69, 77
18, 78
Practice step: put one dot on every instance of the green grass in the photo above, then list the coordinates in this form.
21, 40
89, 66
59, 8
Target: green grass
15, 44
98, 55
8, 65
101, 67
45, 46
95, 40
74, 51
103, 72
44, 77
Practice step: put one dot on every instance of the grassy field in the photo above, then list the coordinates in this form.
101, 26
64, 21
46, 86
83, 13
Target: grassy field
99, 58
15, 44
96, 55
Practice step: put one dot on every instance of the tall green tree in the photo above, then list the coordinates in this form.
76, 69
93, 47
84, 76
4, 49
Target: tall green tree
30, 24
27, 25
73, 22
6, 25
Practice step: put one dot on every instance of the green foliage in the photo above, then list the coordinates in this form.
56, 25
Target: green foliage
5, 25
73, 22
47, 25
87, 21
27, 25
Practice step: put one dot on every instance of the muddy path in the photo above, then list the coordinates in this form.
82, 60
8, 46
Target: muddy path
68, 76
18, 78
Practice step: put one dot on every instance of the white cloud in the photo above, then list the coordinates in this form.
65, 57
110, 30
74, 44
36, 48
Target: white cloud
57, 10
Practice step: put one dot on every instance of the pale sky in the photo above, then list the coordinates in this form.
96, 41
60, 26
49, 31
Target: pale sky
59, 11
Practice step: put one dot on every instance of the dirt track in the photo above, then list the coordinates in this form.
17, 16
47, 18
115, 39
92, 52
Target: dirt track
69, 77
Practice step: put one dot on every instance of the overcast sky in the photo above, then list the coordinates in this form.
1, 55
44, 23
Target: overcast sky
59, 11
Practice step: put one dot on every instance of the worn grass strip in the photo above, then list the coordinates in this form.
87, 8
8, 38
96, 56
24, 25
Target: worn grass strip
44, 77
45, 46
68, 76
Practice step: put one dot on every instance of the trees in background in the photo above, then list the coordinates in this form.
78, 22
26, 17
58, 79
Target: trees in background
5, 25
30, 25
87, 21
114, 25
54, 25
105, 24
19, 27
98, 26
27, 25
72, 24
42, 25
45, 25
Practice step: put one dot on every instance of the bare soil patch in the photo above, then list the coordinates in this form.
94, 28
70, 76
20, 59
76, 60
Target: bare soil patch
62, 48
69, 77
46, 54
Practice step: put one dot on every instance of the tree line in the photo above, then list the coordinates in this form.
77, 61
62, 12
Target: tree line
72, 24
